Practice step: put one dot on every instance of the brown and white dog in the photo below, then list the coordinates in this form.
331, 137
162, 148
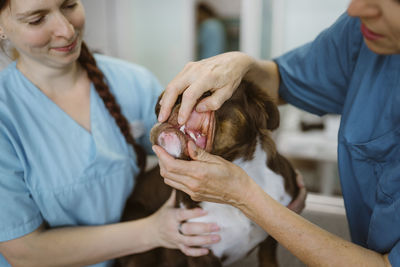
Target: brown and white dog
239, 132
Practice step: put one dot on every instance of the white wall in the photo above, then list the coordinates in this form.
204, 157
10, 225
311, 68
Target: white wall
157, 34
296, 22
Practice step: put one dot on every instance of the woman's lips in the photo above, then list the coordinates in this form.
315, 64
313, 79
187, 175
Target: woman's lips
68, 47
368, 34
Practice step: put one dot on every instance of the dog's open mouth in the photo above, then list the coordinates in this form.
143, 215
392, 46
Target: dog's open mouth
174, 138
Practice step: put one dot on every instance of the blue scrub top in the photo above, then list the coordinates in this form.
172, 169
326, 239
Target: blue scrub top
52, 169
337, 73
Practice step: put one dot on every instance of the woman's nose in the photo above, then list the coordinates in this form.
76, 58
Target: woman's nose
62, 27
364, 8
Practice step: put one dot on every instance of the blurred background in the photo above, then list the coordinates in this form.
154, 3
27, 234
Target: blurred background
164, 35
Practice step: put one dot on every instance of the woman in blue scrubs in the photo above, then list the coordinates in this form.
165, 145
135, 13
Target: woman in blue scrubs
68, 160
351, 69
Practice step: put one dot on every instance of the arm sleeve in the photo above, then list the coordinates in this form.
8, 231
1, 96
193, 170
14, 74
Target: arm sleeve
315, 77
18, 212
394, 255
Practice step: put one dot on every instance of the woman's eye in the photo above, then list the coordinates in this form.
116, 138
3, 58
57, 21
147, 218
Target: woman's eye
71, 6
36, 21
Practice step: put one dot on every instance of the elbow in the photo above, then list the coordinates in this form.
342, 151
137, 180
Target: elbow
18, 254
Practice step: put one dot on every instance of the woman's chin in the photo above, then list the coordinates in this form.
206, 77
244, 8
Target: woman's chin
382, 48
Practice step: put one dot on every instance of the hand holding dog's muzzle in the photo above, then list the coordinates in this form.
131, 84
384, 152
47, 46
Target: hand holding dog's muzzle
220, 75
206, 178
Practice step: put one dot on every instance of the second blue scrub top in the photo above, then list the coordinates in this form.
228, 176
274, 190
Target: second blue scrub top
337, 73
52, 169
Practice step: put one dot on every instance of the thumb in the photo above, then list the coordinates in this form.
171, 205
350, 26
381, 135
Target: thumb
171, 200
197, 153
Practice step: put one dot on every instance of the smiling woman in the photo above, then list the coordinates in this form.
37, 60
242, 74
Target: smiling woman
49, 34
68, 160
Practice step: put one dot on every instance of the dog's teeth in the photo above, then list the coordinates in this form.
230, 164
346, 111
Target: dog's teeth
191, 134
182, 129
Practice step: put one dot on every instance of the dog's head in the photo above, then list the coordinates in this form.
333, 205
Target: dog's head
230, 132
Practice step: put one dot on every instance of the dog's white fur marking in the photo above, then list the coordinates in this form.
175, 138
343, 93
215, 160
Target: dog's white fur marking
238, 234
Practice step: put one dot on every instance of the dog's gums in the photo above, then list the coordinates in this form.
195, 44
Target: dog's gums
174, 138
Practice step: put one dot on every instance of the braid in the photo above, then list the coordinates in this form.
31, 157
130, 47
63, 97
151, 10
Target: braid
88, 62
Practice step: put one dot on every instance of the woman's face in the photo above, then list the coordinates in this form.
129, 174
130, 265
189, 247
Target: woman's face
48, 32
380, 24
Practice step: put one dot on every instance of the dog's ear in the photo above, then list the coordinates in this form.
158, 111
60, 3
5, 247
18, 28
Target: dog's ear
273, 114
263, 111
158, 106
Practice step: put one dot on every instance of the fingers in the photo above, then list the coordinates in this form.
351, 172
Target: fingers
200, 240
193, 252
198, 228
171, 93
297, 205
171, 165
187, 214
171, 200
214, 101
299, 179
189, 99
197, 153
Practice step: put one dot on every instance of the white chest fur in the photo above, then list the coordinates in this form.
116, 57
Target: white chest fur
238, 234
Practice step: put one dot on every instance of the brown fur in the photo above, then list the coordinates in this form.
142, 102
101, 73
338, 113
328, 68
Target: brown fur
247, 117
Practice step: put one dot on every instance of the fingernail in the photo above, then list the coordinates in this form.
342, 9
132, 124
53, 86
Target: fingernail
193, 147
215, 228
180, 120
215, 238
161, 117
201, 211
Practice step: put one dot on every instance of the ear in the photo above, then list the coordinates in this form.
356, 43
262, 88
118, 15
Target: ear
158, 106
3, 36
273, 114
265, 112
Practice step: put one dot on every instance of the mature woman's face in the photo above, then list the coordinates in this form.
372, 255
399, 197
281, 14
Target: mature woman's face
45, 31
380, 24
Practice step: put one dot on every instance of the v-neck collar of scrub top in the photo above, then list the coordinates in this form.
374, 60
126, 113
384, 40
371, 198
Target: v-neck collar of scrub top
49, 104
85, 148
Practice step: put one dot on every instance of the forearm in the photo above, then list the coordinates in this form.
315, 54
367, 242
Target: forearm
265, 74
311, 244
78, 246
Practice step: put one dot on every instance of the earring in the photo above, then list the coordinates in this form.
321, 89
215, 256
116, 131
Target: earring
3, 36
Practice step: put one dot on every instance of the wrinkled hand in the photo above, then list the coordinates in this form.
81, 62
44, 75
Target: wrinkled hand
172, 231
297, 205
206, 178
221, 75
